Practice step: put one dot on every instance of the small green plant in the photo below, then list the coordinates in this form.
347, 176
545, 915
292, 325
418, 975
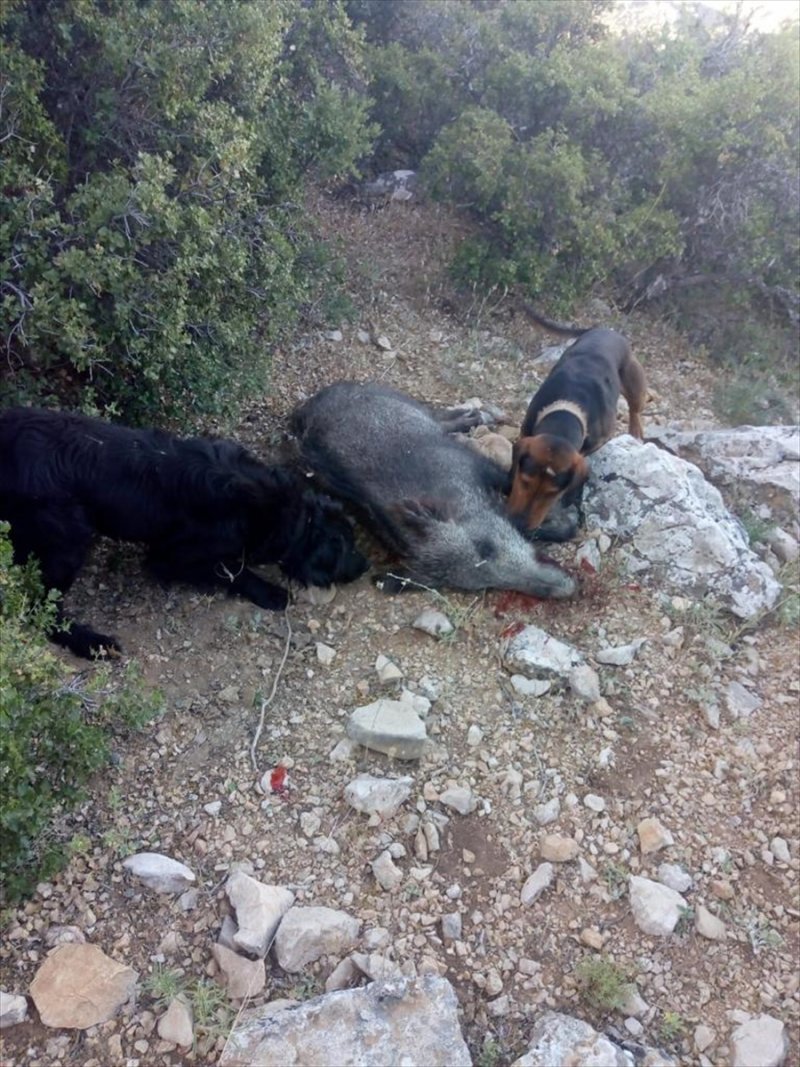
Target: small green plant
604, 985
490, 1053
672, 1028
615, 876
211, 1008
163, 985
412, 890
726, 864
756, 528
80, 844
787, 610
305, 988
685, 920
121, 841
762, 935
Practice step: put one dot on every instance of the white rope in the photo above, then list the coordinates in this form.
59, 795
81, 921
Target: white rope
266, 703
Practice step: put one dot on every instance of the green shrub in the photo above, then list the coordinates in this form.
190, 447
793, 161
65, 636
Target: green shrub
656, 165
54, 728
150, 233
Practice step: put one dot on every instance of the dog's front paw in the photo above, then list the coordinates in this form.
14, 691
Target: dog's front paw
87, 643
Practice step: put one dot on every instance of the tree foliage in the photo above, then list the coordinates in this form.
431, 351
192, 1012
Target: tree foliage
652, 165
153, 153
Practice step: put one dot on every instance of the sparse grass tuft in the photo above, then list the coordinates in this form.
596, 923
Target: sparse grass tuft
604, 985
163, 985
213, 1013
673, 1027
754, 400
787, 610
490, 1053
756, 528
615, 876
686, 921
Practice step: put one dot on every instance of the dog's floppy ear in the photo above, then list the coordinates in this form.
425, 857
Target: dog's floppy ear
523, 458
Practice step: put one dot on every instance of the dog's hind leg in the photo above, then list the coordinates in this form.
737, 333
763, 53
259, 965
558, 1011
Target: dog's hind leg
634, 389
59, 538
462, 420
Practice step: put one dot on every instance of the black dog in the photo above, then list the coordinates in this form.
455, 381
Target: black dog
202, 506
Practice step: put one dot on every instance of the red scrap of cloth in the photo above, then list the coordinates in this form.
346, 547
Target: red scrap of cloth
277, 780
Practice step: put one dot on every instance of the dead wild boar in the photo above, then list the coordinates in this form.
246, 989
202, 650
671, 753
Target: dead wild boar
431, 499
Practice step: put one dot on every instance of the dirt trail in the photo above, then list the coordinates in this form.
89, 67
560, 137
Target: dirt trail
724, 794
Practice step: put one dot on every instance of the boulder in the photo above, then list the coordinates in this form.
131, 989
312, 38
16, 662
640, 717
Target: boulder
759, 1042
389, 726
675, 527
241, 977
389, 1022
381, 796
758, 466
305, 934
562, 1039
78, 986
13, 1009
176, 1024
259, 909
536, 884
398, 185
656, 908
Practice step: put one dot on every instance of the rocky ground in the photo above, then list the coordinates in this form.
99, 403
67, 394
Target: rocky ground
672, 766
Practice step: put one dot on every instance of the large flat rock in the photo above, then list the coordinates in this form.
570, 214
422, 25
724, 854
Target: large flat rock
386, 1024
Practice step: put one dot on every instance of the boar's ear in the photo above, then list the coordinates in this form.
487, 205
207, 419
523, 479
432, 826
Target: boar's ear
422, 511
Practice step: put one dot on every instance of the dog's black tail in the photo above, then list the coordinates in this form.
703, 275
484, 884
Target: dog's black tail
554, 327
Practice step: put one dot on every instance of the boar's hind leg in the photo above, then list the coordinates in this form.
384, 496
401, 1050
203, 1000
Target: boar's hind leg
462, 420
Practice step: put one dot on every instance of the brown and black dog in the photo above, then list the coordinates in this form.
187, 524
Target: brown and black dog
573, 413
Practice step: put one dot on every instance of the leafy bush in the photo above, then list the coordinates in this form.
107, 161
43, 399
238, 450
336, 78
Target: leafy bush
656, 166
53, 728
153, 152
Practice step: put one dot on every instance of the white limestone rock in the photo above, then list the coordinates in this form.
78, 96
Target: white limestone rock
397, 1021
259, 909
160, 873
